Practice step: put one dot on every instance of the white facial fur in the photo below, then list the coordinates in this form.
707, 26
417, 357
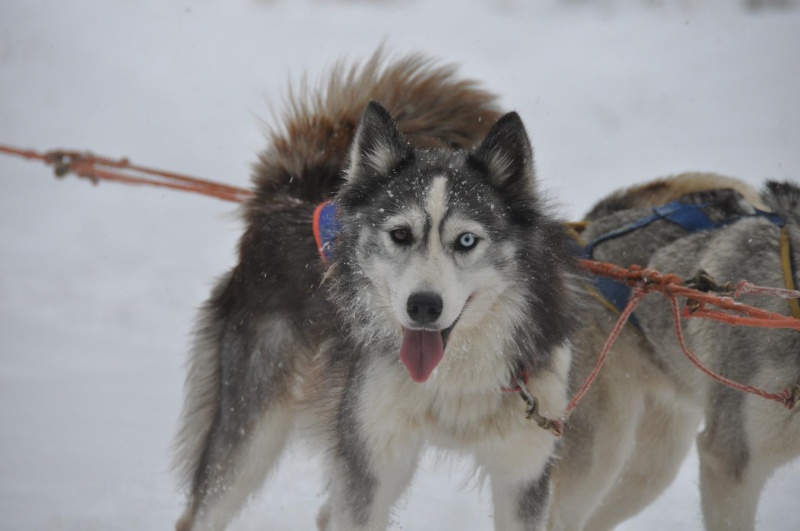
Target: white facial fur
461, 278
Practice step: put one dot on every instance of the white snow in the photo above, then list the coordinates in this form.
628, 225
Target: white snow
98, 285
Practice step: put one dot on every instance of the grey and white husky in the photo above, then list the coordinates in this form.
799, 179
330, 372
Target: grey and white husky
626, 441
448, 280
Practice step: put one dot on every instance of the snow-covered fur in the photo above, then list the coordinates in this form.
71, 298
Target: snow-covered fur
448, 279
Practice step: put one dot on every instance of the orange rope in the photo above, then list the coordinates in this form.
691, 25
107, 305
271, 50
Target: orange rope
97, 168
646, 281
671, 286
788, 397
633, 302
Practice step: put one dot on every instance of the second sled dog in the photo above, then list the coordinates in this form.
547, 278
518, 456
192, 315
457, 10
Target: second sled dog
627, 439
448, 279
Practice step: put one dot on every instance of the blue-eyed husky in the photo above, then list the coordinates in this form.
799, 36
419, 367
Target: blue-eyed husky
448, 280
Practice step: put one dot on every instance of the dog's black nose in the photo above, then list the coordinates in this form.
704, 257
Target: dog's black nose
424, 307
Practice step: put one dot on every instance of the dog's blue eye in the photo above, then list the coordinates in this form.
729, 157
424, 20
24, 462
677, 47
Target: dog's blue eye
466, 241
401, 236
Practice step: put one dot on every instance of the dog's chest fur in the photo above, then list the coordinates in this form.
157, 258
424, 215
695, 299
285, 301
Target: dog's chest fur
463, 404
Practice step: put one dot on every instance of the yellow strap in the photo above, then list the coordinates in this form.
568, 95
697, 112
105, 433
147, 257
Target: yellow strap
788, 278
575, 229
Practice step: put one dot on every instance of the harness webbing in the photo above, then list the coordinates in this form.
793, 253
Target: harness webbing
690, 218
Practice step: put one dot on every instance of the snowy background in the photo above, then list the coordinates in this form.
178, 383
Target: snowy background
98, 285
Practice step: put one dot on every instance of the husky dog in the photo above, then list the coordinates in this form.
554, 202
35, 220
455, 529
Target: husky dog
627, 439
447, 281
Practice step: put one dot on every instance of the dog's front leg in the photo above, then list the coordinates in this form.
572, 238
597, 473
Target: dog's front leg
736, 458
521, 505
372, 458
520, 471
366, 482
362, 499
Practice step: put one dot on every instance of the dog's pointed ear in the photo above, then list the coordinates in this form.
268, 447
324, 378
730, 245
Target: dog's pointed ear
378, 145
507, 155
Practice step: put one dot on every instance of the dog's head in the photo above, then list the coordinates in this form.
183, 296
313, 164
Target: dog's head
435, 241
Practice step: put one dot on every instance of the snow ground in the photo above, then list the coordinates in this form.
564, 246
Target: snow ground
98, 285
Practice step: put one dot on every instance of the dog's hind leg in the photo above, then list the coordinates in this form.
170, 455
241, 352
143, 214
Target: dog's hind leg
745, 440
729, 483
238, 409
663, 439
237, 469
252, 363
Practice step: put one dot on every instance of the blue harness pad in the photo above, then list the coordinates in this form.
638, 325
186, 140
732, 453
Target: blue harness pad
326, 227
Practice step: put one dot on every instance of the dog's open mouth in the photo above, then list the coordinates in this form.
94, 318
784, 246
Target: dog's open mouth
422, 350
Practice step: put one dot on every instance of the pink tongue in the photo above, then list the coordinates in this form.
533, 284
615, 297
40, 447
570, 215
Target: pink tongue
421, 351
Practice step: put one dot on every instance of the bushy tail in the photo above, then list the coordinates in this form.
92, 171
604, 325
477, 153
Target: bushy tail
308, 149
